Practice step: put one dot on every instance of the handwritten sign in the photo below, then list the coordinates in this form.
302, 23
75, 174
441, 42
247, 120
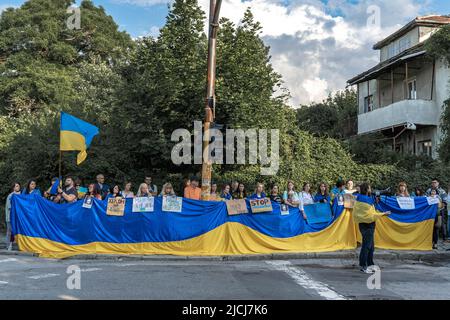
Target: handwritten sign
406, 203
116, 207
260, 205
236, 207
87, 202
349, 201
172, 203
433, 200
340, 199
318, 213
143, 204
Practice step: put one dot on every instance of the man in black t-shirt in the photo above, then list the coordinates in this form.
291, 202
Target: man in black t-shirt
69, 193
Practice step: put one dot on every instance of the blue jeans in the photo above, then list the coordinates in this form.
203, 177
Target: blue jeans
368, 244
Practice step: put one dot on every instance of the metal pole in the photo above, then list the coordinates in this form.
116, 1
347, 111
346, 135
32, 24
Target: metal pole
214, 10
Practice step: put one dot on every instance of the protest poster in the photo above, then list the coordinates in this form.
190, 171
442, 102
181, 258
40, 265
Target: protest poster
87, 202
318, 213
433, 200
349, 201
236, 207
406, 203
340, 199
172, 203
284, 209
143, 204
116, 207
260, 205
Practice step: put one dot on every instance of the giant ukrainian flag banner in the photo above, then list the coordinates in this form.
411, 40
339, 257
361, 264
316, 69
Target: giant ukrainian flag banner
205, 228
76, 135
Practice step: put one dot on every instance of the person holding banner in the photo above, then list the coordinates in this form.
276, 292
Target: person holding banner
31, 188
274, 195
259, 192
192, 191
167, 190
143, 191
240, 193
127, 193
306, 198
402, 190
151, 187
93, 192
52, 192
102, 187
349, 187
226, 195
68, 194
322, 195
290, 196
365, 215
9, 236
213, 195
114, 192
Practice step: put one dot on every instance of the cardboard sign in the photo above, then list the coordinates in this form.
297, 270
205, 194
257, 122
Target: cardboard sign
172, 203
349, 201
236, 207
318, 213
143, 204
116, 207
260, 205
87, 202
406, 203
284, 208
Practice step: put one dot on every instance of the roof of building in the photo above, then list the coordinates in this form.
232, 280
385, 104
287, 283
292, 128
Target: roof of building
431, 21
411, 53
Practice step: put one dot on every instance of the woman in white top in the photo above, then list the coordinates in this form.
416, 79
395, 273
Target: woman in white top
306, 198
349, 187
290, 196
127, 193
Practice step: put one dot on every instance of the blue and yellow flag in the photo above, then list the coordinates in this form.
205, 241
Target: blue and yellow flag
76, 135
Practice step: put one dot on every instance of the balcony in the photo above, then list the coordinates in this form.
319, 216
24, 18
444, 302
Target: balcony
419, 112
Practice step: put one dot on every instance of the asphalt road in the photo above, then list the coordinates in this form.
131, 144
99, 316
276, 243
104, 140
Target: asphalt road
24, 277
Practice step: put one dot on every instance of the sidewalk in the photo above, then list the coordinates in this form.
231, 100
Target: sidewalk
441, 254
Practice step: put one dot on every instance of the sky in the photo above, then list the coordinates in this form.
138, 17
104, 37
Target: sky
316, 45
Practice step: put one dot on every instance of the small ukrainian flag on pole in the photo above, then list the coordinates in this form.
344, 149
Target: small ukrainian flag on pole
76, 134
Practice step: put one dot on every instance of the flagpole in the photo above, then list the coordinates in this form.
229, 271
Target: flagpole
60, 153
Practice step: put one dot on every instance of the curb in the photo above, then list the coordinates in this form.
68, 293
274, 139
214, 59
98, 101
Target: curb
422, 256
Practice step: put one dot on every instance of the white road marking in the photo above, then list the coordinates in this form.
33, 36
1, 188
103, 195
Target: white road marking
43, 276
3, 282
8, 260
66, 297
304, 280
90, 269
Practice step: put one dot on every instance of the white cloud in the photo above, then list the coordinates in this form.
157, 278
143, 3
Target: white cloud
142, 3
317, 47
6, 6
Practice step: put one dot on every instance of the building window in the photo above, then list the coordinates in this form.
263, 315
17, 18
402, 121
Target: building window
368, 104
426, 148
412, 90
405, 43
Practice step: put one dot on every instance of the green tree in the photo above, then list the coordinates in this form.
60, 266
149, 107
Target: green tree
333, 117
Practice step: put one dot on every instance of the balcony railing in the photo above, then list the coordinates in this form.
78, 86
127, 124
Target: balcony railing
419, 112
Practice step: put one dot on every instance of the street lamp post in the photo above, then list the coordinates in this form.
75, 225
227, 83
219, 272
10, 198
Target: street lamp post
214, 10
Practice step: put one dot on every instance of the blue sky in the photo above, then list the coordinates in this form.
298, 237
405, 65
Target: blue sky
316, 45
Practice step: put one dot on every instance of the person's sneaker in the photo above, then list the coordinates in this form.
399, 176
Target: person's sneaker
435, 246
373, 267
10, 247
366, 270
